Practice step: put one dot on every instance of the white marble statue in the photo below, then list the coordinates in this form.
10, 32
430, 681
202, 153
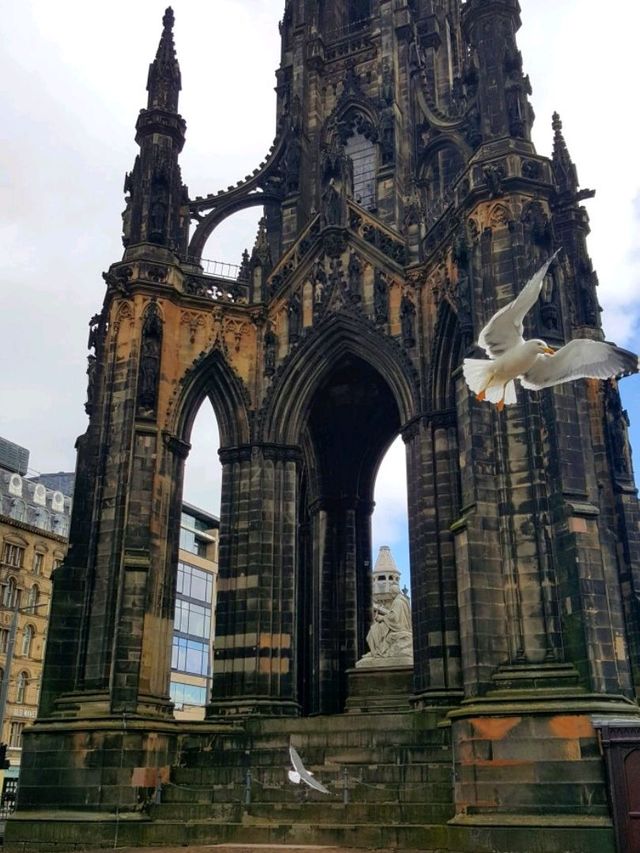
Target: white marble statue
390, 638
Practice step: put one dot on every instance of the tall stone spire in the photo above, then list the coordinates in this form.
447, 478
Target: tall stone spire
164, 82
155, 211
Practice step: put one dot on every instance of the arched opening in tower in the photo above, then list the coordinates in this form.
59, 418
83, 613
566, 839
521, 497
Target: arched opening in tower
241, 241
352, 420
197, 571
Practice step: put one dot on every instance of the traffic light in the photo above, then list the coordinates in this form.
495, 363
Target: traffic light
4, 763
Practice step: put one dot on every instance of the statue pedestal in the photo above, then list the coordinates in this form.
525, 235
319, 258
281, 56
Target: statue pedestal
379, 689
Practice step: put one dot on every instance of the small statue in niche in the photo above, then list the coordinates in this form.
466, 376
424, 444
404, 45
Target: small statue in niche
493, 177
294, 318
270, 348
354, 273
333, 204
149, 371
92, 366
386, 90
380, 297
94, 328
150, 359
157, 216
408, 320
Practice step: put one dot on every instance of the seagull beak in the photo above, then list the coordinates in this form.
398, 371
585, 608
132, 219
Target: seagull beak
549, 351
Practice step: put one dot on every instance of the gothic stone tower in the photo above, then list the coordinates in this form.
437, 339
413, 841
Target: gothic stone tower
404, 203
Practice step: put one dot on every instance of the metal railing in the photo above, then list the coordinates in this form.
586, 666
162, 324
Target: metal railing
217, 269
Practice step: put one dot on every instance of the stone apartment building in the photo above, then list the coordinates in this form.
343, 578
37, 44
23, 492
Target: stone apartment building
34, 526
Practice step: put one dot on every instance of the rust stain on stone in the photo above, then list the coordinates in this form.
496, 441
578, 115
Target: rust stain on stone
495, 729
571, 727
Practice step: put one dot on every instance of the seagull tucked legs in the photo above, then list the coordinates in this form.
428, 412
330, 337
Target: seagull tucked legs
511, 357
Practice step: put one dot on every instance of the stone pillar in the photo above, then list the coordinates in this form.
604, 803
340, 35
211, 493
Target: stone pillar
255, 645
433, 500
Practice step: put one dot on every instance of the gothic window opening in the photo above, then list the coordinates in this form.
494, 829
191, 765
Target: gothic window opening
240, 249
363, 156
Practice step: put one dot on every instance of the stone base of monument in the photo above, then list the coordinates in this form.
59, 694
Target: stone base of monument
379, 689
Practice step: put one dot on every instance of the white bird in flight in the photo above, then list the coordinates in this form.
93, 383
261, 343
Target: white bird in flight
301, 774
534, 362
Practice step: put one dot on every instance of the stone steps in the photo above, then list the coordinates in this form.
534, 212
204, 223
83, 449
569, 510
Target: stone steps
188, 833
283, 791
317, 813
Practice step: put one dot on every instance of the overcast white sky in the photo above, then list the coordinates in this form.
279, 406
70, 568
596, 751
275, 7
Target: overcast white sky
74, 76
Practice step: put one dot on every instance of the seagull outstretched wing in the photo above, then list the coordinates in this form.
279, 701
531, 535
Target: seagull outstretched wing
301, 774
504, 329
578, 359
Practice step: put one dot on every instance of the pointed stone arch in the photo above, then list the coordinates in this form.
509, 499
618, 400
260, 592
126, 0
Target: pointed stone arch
299, 376
211, 376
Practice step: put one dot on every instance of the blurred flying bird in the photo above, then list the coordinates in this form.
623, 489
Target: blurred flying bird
301, 774
534, 362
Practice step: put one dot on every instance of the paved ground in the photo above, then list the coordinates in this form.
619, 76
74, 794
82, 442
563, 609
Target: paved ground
242, 848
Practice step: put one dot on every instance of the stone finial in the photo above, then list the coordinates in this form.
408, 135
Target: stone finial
164, 81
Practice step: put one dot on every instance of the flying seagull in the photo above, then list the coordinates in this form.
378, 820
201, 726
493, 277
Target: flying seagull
534, 362
301, 774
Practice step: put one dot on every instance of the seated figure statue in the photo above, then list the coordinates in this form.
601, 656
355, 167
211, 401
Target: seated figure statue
390, 638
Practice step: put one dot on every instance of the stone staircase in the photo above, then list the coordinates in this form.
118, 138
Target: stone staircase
389, 777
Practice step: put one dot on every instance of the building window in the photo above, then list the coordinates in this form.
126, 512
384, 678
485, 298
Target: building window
38, 562
187, 694
42, 519
21, 687
34, 594
194, 583
190, 656
4, 640
363, 156
13, 555
191, 618
191, 542
18, 510
15, 735
27, 640
10, 596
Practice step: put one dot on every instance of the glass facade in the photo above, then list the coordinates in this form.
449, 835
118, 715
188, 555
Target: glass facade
190, 656
187, 694
193, 617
